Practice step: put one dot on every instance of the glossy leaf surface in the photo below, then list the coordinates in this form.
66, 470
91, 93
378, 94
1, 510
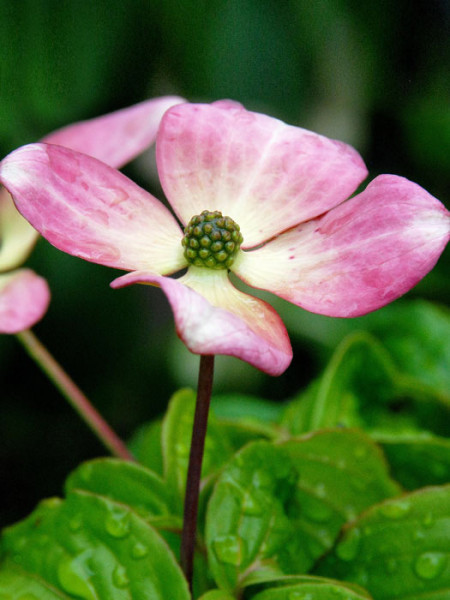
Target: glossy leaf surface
92, 548
399, 548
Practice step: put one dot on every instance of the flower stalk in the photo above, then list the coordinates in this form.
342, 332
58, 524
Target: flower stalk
204, 388
73, 395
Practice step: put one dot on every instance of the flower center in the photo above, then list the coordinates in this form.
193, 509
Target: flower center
211, 240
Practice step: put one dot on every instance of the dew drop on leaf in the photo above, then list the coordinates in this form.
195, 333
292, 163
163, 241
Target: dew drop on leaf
74, 573
120, 577
250, 506
117, 523
349, 547
139, 550
229, 549
262, 479
430, 565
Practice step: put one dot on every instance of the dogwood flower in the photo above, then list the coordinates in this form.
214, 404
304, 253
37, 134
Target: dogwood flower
115, 138
262, 199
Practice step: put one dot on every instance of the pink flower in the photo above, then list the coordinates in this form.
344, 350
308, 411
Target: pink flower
286, 188
115, 138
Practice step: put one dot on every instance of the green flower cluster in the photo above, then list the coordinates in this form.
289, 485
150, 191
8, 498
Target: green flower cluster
211, 240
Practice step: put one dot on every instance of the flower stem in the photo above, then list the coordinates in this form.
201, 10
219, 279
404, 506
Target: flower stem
204, 388
74, 395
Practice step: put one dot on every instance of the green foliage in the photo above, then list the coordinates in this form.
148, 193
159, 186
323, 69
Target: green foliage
313, 588
88, 546
301, 501
399, 548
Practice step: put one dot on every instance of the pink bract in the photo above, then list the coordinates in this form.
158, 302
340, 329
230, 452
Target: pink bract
286, 187
114, 138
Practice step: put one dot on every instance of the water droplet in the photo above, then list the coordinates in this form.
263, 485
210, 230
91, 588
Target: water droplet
75, 523
396, 509
418, 535
251, 506
139, 550
430, 565
117, 523
229, 549
120, 577
349, 547
262, 479
320, 490
74, 574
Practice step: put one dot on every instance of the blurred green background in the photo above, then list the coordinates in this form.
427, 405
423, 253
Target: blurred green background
373, 74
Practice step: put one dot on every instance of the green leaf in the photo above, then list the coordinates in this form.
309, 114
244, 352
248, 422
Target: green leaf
359, 373
128, 483
217, 595
362, 387
245, 408
415, 333
310, 588
176, 441
341, 474
247, 520
146, 446
417, 460
277, 508
399, 548
92, 548
16, 584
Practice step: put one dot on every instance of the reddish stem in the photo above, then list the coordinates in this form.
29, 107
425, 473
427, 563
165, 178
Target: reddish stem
204, 388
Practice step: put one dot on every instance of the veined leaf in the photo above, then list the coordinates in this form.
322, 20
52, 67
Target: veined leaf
399, 548
92, 548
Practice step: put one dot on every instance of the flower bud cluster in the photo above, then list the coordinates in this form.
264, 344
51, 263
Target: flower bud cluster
211, 240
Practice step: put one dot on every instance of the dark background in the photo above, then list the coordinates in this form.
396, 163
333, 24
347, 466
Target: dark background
373, 74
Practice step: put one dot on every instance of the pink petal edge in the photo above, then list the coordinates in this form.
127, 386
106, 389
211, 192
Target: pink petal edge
24, 299
359, 256
256, 335
264, 174
85, 208
118, 137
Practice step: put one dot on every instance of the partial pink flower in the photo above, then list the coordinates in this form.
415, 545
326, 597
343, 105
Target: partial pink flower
286, 225
115, 138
